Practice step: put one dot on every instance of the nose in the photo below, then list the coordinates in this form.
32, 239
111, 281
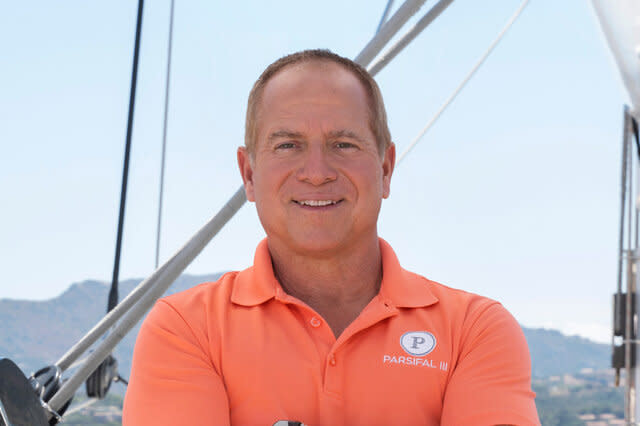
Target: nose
316, 167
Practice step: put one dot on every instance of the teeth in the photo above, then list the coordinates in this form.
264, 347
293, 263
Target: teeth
316, 203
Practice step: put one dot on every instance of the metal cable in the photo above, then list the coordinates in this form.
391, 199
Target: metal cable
623, 197
164, 134
634, 128
383, 19
630, 204
113, 293
408, 37
464, 82
628, 331
95, 378
388, 30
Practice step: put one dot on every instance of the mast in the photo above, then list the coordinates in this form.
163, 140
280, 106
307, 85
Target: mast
625, 301
618, 22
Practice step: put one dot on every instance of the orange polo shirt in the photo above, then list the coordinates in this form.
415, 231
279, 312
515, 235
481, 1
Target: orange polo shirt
241, 351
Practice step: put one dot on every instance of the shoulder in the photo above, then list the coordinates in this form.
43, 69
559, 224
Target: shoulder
192, 308
203, 294
195, 305
464, 306
449, 296
473, 321
483, 324
490, 375
187, 320
410, 290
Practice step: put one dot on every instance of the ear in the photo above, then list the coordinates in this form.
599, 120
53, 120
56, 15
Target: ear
388, 163
245, 163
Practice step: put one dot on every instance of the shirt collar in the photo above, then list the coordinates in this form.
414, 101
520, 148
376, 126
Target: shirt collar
257, 284
400, 288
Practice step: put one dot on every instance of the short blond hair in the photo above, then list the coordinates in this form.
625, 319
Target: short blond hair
377, 113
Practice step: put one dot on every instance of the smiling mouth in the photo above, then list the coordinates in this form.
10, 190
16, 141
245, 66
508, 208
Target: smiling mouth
317, 203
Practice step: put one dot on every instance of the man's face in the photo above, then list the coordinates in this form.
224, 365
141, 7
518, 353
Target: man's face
316, 176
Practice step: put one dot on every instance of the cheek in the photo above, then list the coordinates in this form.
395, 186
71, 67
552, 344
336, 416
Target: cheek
370, 177
268, 183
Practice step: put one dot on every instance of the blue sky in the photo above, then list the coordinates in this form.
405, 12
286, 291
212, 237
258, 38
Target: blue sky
513, 194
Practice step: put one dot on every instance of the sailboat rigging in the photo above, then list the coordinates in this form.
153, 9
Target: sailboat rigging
121, 317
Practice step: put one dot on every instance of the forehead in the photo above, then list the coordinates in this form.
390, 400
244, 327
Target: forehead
313, 83
314, 72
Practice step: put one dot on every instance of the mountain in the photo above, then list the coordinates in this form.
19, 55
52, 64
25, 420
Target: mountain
553, 353
37, 333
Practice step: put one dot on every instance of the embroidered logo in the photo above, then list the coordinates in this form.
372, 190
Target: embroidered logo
418, 343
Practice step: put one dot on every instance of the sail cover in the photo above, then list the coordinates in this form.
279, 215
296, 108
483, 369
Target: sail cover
620, 23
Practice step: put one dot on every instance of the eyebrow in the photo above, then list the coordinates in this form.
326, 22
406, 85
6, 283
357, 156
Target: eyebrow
334, 134
284, 134
337, 134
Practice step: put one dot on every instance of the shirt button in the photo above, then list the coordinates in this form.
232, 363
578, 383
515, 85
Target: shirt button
332, 359
315, 322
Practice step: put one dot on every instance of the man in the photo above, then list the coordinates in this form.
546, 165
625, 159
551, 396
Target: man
325, 328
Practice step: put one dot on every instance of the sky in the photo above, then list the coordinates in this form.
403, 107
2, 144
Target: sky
512, 194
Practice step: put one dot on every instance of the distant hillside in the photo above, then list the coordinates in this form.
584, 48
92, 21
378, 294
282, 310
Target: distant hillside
35, 334
553, 353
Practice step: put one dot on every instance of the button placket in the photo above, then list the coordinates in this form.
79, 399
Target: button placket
332, 360
333, 376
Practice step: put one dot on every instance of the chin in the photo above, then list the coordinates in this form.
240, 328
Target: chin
319, 246
315, 245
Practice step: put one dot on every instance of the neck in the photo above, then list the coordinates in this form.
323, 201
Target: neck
337, 287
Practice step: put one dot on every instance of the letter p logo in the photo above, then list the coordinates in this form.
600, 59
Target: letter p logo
417, 340
418, 343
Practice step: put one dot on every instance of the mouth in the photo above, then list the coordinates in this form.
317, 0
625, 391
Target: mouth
317, 203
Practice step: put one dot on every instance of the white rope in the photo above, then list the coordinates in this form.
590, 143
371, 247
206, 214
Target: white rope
464, 82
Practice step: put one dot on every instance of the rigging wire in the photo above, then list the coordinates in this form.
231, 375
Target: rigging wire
623, 197
113, 293
464, 82
388, 30
630, 206
383, 19
164, 134
409, 36
634, 128
100, 378
630, 282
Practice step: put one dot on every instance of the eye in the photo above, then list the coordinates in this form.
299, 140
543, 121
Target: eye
285, 146
345, 145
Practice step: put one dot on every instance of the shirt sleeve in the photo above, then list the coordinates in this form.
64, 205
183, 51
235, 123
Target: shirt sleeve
173, 381
491, 383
